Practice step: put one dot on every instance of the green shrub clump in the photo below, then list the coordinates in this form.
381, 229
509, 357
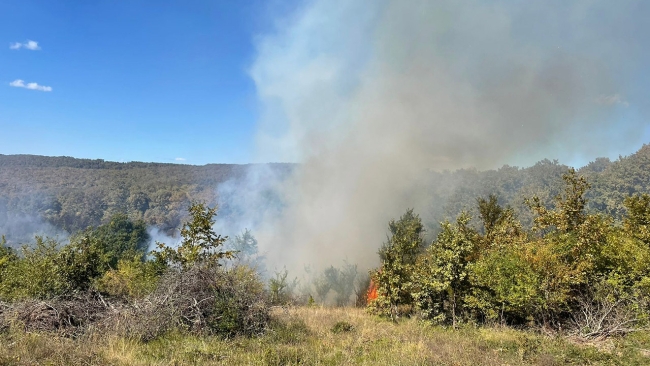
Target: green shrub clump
574, 270
103, 279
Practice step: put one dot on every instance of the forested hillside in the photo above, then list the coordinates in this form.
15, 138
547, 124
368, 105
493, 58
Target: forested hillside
71, 194
611, 182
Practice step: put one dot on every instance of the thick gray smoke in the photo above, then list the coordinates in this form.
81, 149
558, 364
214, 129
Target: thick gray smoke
251, 201
368, 95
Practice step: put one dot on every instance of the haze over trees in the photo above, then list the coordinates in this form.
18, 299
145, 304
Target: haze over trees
72, 194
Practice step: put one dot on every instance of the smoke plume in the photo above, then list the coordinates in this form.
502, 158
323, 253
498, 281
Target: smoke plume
20, 228
367, 96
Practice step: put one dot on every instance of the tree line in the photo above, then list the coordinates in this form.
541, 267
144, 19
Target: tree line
72, 194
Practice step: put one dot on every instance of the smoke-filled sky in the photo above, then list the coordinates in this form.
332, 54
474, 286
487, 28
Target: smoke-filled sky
470, 82
452, 83
366, 95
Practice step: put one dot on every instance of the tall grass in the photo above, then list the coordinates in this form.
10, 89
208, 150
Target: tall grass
307, 336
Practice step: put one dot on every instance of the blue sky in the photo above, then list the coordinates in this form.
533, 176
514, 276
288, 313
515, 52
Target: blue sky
130, 81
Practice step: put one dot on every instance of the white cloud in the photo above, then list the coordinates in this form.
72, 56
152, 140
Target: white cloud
18, 83
180, 159
30, 45
612, 100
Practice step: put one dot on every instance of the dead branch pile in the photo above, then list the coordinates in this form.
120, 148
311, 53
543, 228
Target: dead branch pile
598, 317
67, 316
202, 301
199, 300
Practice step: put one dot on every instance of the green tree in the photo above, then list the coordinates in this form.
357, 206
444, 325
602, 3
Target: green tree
118, 239
245, 250
398, 256
442, 278
490, 213
504, 285
569, 212
637, 220
200, 244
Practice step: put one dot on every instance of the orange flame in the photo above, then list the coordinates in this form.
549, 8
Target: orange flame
372, 291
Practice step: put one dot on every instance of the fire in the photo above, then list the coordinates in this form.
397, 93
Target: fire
372, 291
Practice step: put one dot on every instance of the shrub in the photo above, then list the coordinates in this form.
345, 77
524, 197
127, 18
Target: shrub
441, 281
342, 327
36, 273
281, 289
504, 284
47, 270
398, 257
200, 244
132, 279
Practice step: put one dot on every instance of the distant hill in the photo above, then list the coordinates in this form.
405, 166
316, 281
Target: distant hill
611, 182
71, 194
64, 193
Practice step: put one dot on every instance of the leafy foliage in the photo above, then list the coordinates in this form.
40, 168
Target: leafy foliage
132, 279
49, 268
398, 256
574, 269
119, 238
441, 278
200, 244
637, 220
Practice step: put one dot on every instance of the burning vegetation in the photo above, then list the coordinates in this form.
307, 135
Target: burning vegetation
372, 292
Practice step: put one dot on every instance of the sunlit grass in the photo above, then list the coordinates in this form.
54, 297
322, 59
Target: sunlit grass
305, 336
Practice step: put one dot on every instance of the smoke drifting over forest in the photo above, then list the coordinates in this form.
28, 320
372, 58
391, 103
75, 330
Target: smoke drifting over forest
19, 228
368, 96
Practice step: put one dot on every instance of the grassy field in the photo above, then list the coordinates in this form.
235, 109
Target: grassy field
329, 336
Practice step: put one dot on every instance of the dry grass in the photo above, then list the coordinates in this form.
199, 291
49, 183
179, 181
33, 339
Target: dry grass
305, 336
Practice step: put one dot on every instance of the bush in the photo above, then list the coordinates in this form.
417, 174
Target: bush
441, 281
342, 327
37, 273
47, 269
281, 289
133, 279
574, 270
398, 257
